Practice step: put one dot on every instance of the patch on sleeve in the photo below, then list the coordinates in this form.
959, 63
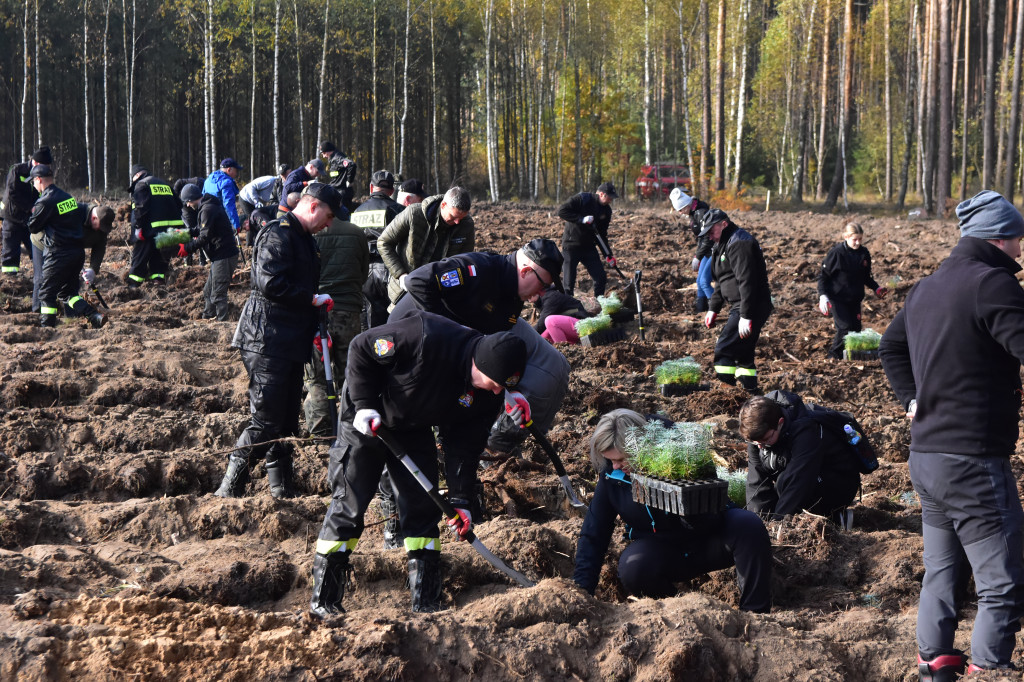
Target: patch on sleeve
384, 346
466, 399
452, 278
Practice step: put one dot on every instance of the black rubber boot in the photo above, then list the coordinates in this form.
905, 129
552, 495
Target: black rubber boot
279, 476
945, 668
235, 478
749, 384
331, 574
47, 320
393, 537
701, 306
425, 580
97, 320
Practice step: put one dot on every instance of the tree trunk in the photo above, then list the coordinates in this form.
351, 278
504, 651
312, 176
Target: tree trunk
720, 100
963, 115
252, 93
826, 51
405, 88
705, 95
106, 98
845, 110
647, 82
1014, 122
988, 174
797, 191
433, 105
741, 104
888, 107
909, 106
323, 70
211, 108
277, 84
38, 86
301, 101
373, 98
85, 93
944, 165
129, 75
24, 84
492, 141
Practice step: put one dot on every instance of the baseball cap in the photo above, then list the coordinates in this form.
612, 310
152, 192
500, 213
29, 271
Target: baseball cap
190, 192
283, 169
231, 163
41, 170
413, 186
609, 189
106, 218
545, 253
383, 179
502, 358
326, 194
318, 164
712, 218
680, 199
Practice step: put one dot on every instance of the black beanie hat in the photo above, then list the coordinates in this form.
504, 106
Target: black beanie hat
42, 155
136, 169
502, 357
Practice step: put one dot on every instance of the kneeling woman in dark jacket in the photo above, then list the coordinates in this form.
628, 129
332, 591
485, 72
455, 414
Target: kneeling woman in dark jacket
665, 549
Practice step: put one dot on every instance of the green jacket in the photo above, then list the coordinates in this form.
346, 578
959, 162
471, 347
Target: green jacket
418, 236
344, 264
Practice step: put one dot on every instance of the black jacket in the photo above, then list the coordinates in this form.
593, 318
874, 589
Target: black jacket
58, 215
845, 273
376, 212
341, 171
741, 275
296, 182
783, 478
19, 194
697, 215
613, 499
957, 347
478, 290
190, 217
552, 302
216, 233
154, 208
279, 318
576, 234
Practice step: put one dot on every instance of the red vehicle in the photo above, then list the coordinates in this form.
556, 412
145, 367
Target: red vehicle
657, 180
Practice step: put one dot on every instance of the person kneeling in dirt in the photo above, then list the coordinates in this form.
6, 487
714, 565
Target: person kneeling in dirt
409, 376
275, 337
216, 238
664, 548
794, 462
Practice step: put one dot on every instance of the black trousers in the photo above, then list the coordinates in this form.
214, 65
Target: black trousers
591, 260
147, 262
275, 399
375, 296
15, 235
61, 269
734, 356
651, 566
846, 316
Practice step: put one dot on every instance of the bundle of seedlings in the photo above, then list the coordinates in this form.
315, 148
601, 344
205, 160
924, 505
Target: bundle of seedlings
737, 482
610, 304
861, 345
598, 331
171, 238
673, 468
677, 377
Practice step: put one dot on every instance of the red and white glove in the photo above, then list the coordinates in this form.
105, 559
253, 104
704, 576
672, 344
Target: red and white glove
182, 251
610, 260
88, 275
461, 524
367, 421
709, 319
880, 292
745, 327
319, 343
588, 220
517, 407
912, 409
695, 264
324, 299
824, 305
138, 234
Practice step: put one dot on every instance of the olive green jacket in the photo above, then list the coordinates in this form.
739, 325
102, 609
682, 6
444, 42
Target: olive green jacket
344, 264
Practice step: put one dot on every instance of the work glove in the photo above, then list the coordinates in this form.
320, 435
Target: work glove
912, 409
588, 220
319, 343
517, 407
745, 327
824, 306
610, 260
138, 234
401, 282
880, 292
462, 522
709, 319
88, 276
182, 251
695, 264
367, 421
324, 299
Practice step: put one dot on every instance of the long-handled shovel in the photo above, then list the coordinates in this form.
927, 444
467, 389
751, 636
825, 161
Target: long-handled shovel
556, 461
332, 398
394, 454
639, 303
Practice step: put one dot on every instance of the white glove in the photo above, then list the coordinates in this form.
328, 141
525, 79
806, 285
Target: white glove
823, 305
745, 327
321, 299
709, 319
88, 275
695, 264
367, 421
588, 220
401, 282
912, 409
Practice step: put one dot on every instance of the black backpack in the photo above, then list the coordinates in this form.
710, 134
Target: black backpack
837, 422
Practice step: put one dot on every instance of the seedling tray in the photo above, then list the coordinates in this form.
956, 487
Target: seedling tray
684, 498
603, 337
860, 355
672, 390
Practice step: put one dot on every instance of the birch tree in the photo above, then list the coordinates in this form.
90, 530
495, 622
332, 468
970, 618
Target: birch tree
405, 88
323, 70
85, 93
106, 97
1014, 123
277, 82
24, 84
989, 115
298, 80
647, 82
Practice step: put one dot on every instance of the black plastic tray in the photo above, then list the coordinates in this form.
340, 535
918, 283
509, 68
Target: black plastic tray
860, 355
684, 498
603, 337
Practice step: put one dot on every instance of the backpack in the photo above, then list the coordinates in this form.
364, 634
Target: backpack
842, 424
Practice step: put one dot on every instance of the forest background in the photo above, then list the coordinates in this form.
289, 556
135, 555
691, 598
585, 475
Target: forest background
894, 101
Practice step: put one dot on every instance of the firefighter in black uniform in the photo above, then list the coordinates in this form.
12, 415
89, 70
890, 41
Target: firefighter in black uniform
409, 376
58, 215
586, 219
341, 173
742, 281
154, 209
275, 335
16, 207
216, 237
373, 215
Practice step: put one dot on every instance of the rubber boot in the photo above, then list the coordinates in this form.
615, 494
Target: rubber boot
235, 478
393, 537
279, 476
749, 384
97, 320
47, 320
331, 574
945, 668
425, 580
701, 306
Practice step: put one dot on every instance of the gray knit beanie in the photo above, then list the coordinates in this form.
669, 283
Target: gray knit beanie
987, 215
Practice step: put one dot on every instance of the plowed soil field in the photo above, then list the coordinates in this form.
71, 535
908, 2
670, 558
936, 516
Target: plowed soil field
117, 562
